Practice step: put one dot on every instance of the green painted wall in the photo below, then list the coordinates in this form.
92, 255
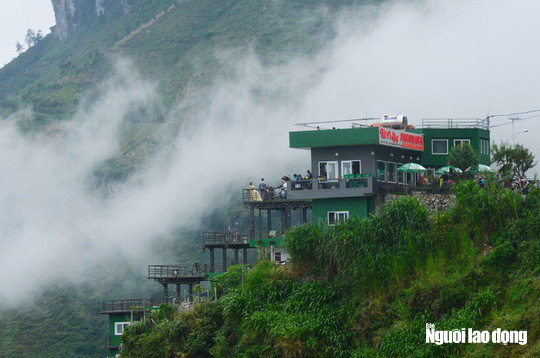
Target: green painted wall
114, 341
333, 138
474, 134
357, 206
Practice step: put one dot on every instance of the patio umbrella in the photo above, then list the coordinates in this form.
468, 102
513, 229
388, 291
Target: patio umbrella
480, 168
412, 168
446, 169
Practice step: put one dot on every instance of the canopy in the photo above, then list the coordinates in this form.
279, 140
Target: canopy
447, 169
412, 168
480, 168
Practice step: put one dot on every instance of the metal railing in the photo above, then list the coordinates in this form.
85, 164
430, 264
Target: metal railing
444, 123
230, 237
171, 271
129, 304
328, 184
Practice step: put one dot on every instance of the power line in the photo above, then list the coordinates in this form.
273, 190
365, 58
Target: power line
523, 119
512, 114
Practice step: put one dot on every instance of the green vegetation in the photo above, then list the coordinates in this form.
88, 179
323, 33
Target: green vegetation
463, 156
514, 160
367, 287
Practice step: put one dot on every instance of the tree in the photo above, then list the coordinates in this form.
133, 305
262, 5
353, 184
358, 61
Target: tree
514, 161
463, 156
30, 38
19, 47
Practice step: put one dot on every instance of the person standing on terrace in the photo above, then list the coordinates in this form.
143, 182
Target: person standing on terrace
309, 175
262, 189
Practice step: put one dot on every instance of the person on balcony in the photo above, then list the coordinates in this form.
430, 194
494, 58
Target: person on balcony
283, 190
262, 189
309, 175
253, 193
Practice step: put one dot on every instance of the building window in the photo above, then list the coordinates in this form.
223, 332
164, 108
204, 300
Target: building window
381, 170
391, 172
460, 142
336, 216
400, 176
349, 167
439, 146
119, 328
484, 146
328, 170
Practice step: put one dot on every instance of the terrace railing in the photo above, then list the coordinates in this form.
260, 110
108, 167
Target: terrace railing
480, 123
172, 271
230, 237
127, 305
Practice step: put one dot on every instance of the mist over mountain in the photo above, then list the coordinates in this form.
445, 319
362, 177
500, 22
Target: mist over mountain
132, 125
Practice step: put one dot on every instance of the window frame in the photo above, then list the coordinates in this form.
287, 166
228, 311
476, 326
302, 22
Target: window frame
377, 170
328, 161
461, 140
351, 161
441, 139
336, 214
400, 176
395, 172
120, 324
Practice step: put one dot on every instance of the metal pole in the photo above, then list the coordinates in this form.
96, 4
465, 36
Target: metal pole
260, 224
236, 256
178, 291
252, 233
269, 219
245, 256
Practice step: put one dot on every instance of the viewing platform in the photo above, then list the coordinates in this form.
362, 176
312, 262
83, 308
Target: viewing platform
229, 239
177, 273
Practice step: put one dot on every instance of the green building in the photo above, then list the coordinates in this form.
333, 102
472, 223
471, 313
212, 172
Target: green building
352, 166
122, 313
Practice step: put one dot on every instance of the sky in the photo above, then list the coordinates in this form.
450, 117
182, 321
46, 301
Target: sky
460, 58
17, 16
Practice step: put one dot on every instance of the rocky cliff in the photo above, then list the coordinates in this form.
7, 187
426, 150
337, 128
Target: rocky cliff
71, 15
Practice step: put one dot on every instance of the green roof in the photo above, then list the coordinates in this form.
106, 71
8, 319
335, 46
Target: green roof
334, 137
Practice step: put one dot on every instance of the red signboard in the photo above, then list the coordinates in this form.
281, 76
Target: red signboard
402, 139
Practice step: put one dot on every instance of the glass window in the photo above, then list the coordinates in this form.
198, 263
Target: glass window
439, 146
328, 170
336, 216
349, 167
391, 172
381, 170
400, 176
119, 328
460, 142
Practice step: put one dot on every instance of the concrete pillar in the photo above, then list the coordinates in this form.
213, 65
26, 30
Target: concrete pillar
212, 263
190, 292
245, 256
178, 292
165, 290
224, 259
236, 262
304, 215
269, 219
